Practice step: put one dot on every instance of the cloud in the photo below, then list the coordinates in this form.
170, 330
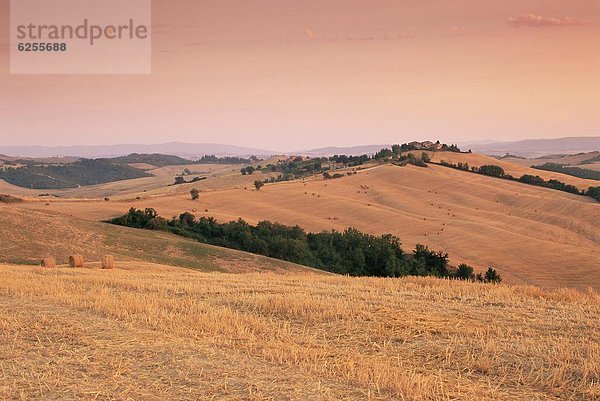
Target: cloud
531, 20
356, 38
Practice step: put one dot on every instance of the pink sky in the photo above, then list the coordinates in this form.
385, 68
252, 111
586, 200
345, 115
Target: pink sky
287, 75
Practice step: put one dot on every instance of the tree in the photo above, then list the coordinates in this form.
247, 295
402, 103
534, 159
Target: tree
258, 184
594, 192
492, 276
384, 153
194, 193
179, 180
243, 171
464, 272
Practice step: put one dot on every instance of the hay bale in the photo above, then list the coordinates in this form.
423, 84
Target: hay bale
108, 262
49, 263
76, 261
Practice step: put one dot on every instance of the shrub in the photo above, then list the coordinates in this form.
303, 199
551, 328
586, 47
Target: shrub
195, 194
492, 276
594, 192
464, 272
492, 170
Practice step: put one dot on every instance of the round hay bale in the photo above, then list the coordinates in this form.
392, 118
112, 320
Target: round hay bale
108, 262
76, 261
49, 263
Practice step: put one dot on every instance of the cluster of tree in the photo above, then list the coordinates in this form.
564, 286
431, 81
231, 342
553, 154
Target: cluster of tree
498, 172
333, 176
349, 161
181, 180
349, 252
248, 170
83, 172
298, 167
279, 178
574, 171
410, 158
465, 272
553, 184
161, 160
395, 154
407, 147
212, 159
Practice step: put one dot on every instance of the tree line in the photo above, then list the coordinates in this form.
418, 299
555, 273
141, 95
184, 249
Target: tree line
498, 172
348, 252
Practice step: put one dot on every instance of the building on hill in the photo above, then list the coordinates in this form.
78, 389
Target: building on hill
426, 145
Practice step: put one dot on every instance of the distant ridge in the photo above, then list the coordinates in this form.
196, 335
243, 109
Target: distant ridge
539, 147
187, 150
349, 150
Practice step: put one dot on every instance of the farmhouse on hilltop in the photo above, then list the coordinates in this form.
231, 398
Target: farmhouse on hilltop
426, 145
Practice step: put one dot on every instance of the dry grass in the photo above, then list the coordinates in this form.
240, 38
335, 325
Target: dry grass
154, 332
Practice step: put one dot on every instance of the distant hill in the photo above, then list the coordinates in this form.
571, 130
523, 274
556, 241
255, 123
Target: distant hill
351, 150
539, 147
187, 150
72, 175
155, 159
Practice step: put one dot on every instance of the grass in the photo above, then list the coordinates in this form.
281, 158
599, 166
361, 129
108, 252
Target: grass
151, 332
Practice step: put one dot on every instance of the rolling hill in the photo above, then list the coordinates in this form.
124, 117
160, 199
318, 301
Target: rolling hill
177, 320
531, 235
539, 147
188, 150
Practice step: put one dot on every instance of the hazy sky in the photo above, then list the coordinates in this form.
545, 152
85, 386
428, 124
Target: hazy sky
288, 75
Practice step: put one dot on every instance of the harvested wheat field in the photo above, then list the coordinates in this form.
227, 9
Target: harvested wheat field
532, 235
154, 332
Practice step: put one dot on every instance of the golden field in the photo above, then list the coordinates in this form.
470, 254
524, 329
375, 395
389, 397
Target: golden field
187, 321
531, 235
147, 331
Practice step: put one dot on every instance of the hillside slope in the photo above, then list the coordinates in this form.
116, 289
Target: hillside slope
27, 236
147, 333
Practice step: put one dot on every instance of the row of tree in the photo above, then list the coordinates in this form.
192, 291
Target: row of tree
349, 252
